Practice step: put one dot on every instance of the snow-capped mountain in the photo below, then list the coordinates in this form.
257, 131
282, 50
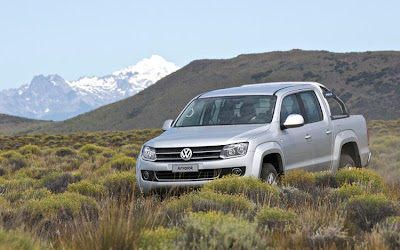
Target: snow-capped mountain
53, 98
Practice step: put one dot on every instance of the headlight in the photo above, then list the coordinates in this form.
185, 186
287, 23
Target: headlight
234, 150
149, 153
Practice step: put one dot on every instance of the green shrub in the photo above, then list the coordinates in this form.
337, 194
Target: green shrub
363, 176
274, 217
87, 188
207, 200
214, 230
65, 151
30, 150
298, 178
9, 154
60, 206
108, 153
15, 160
159, 238
121, 183
29, 194
20, 184
254, 189
368, 209
123, 163
91, 149
348, 190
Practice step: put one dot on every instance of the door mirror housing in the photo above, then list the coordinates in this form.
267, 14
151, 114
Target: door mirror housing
293, 121
167, 124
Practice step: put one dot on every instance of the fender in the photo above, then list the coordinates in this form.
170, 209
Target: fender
261, 151
341, 139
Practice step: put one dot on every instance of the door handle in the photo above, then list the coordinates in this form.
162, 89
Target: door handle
328, 132
307, 137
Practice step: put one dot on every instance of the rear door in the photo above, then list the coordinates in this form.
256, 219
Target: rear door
296, 144
320, 130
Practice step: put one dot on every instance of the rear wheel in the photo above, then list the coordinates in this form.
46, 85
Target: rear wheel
269, 174
346, 162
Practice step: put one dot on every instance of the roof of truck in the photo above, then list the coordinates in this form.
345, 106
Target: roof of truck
258, 89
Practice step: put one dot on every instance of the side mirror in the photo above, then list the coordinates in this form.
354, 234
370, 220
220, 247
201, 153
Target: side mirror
167, 124
294, 121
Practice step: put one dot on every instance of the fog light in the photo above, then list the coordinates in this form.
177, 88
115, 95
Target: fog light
146, 175
237, 171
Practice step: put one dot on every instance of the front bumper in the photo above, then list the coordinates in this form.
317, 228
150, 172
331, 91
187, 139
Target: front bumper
244, 162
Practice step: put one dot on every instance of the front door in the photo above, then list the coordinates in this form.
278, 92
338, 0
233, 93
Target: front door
296, 142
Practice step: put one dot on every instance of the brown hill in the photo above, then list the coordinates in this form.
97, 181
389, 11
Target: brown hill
14, 124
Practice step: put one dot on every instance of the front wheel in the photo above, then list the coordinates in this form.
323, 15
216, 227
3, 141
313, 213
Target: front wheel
269, 174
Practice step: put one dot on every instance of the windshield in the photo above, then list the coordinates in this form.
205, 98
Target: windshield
228, 111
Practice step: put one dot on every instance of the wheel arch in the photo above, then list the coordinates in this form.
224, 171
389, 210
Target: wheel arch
349, 141
269, 152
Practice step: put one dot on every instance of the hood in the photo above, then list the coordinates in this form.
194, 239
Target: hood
206, 135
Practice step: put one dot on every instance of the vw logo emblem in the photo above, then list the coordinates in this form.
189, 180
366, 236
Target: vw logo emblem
186, 154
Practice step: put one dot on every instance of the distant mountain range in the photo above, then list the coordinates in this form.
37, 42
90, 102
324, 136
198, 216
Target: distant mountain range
54, 98
368, 82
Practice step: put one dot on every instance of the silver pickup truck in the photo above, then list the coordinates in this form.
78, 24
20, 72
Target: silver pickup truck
259, 130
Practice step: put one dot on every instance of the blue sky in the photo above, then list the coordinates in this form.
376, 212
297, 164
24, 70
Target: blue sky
85, 38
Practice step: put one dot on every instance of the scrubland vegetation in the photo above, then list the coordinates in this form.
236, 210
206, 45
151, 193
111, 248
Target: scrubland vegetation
78, 191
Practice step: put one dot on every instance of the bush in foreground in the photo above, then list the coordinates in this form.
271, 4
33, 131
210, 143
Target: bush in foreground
254, 189
207, 201
348, 190
30, 150
159, 238
123, 183
298, 178
366, 177
87, 188
368, 209
214, 230
123, 163
274, 217
60, 206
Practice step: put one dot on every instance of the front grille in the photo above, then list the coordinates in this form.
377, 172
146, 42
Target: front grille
207, 174
201, 175
199, 153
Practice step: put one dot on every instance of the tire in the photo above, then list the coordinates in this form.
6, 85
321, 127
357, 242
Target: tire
346, 162
269, 174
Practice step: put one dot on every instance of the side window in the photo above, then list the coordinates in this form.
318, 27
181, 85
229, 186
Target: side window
311, 106
290, 105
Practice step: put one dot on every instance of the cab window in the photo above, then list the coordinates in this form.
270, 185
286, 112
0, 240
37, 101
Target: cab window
290, 105
312, 108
